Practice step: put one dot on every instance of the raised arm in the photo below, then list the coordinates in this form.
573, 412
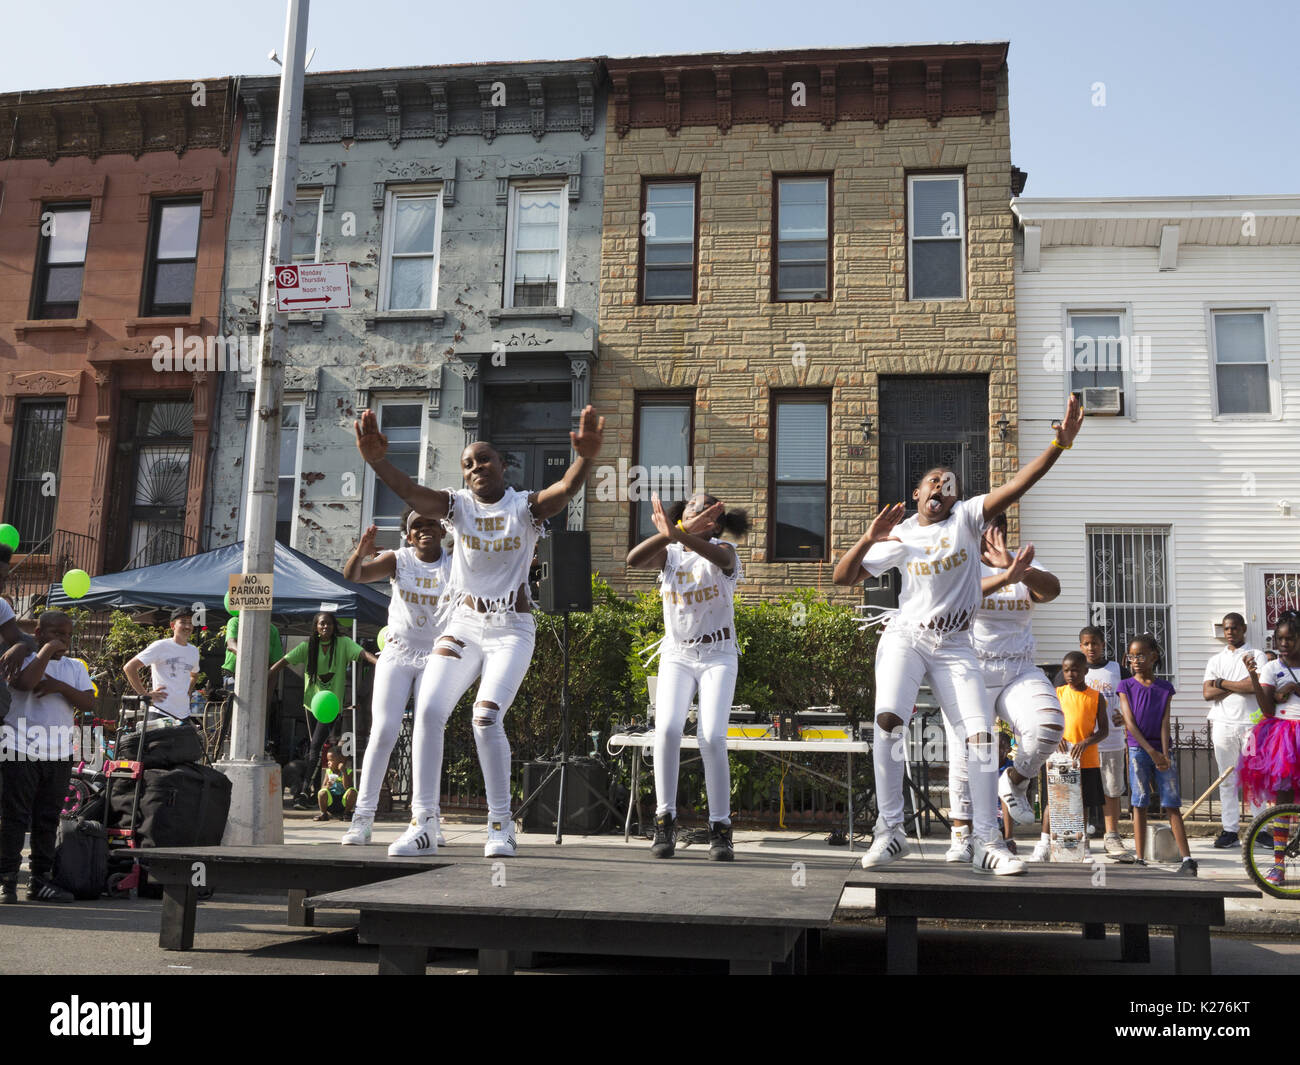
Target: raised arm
380, 568
586, 444
848, 570
373, 446
1000, 498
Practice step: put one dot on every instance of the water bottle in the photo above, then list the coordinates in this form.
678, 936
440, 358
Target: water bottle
197, 703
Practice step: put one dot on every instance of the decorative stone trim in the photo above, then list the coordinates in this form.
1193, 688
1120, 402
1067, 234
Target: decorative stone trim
176, 183
438, 95
42, 383
376, 318
401, 377
324, 176
65, 189
413, 172
558, 166
498, 314
307, 381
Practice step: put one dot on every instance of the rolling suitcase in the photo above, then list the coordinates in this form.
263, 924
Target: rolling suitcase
81, 857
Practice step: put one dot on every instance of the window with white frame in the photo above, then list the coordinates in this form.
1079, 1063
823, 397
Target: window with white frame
412, 234
936, 232
535, 239
307, 225
402, 420
1098, 354
289, 474
1129, 591
1242, 373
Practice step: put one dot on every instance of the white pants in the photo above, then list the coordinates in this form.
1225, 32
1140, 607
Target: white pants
1228, 739
681, 672
1024, 698
395, 680
902, 661
498, 649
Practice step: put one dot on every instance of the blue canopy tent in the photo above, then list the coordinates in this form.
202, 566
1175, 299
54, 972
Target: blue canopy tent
303, 587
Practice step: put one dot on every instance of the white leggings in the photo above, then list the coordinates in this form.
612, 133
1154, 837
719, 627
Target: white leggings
902, 661
681, 672
395, 679
498, 649
1024, 697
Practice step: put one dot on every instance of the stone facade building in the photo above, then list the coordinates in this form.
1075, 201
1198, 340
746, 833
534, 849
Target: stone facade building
113, 209
466, 202
806, 291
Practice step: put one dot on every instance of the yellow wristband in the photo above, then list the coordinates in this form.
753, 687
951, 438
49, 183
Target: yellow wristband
1063, 447
680, 525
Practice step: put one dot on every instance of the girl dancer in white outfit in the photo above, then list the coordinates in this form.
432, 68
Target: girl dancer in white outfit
698, 582
1022, 695
937, 552
418, 572
489, 631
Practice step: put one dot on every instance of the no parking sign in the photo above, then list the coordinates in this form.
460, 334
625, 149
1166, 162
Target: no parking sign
312, 287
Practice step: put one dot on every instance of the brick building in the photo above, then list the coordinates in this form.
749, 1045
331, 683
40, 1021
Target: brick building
113, 209
806, 291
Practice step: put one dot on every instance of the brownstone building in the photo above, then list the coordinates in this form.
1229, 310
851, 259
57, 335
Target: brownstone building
806, 292
114, 204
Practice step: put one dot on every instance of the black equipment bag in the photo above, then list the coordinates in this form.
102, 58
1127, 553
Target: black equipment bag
163, 747
81, 857
185, 806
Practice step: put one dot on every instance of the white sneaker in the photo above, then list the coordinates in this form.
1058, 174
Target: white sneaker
889, 845
1042, 852
993, 857
359, 834
420, 840
962, 848
501, 840
1018, 804
442, 840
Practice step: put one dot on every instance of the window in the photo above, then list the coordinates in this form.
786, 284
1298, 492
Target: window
936, 229
802, 268
31, 501
173, 258
668, 242
1128, 588
1242, 379
61, 261
163, 437
1098, 355
286, 503
664, 431
800, 496
412, 233
535, 234
402, 421
307, 226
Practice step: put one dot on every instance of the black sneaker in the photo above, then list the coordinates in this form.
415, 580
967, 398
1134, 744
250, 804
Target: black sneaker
8, 892
1188, 868
720, 849
665, 837
1226, 839
42, 890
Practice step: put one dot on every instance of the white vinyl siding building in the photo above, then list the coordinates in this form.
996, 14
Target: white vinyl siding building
1182, 507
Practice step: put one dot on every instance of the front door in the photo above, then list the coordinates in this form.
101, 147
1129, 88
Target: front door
932, 421
529, 427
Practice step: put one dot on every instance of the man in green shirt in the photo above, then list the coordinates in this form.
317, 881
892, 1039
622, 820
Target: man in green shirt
275, 650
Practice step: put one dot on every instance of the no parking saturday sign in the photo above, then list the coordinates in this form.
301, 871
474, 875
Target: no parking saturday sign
251, 591
312, 287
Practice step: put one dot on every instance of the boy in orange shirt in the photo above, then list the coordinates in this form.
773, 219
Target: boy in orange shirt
1086, 725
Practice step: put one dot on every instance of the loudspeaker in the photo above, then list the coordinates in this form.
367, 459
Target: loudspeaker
583, 812
881, 591
564, 559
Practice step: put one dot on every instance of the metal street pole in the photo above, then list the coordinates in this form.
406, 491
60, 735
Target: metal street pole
256, 813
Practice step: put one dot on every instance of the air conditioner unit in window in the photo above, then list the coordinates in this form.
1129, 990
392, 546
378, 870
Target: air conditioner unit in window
1107, 401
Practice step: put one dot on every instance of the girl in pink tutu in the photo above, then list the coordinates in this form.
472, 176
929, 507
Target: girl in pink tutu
1269, 770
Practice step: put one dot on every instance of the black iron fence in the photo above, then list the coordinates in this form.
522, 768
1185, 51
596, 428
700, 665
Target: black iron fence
31, 575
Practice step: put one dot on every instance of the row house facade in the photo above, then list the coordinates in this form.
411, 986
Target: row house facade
466, 202
113, 209
806, 292
1178, 323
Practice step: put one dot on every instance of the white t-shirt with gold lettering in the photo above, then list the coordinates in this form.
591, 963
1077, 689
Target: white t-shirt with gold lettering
417, 589
699, 599
494, 548
1004, 621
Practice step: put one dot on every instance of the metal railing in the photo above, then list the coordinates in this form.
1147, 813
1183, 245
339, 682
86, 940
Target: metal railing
29, 580
163, 546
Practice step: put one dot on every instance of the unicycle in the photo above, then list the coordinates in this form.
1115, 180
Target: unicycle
1271, 851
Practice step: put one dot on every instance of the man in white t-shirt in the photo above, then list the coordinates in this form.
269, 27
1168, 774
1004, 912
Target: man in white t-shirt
173, 665
1227, 688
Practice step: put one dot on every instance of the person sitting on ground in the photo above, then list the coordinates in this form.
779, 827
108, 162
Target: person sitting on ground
36, 758
337, 796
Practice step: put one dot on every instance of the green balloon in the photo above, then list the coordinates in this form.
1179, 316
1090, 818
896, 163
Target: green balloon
76, 583
9, 537
382, 638
231, 610
325, 707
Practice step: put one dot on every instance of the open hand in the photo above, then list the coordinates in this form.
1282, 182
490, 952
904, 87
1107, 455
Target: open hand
591, 433
12, 662
1020, 565
366, 547
1068, 429
704, 521
660, 519
884, 523
995, 546
372, 444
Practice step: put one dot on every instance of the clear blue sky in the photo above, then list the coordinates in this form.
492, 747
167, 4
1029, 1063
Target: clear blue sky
1201, 97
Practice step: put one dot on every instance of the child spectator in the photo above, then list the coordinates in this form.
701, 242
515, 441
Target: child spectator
1145, 702
1086, 725
36, 758
337, 796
